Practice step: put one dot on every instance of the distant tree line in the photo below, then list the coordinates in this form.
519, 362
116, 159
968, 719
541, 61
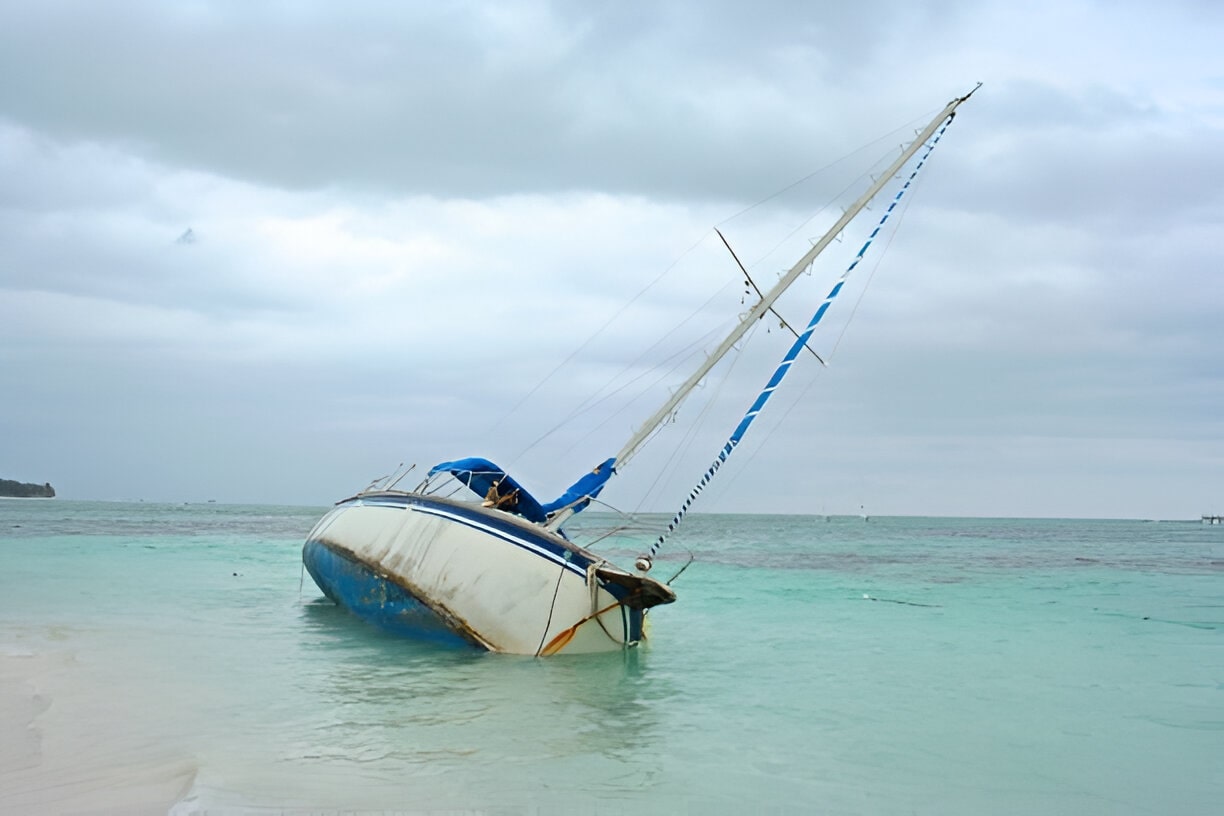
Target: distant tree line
22, 490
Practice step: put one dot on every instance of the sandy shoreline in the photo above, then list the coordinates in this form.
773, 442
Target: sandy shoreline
60, 755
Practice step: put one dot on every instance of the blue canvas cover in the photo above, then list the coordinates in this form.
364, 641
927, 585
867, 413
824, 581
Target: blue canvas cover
480, 475
582, 491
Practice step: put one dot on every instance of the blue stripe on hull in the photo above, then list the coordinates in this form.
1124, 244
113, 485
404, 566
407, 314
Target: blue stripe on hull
375, 600
493, 522
550, 551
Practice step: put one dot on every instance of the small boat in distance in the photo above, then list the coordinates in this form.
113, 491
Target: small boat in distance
495, 570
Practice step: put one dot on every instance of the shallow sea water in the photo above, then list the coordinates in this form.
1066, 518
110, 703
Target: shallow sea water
896, 665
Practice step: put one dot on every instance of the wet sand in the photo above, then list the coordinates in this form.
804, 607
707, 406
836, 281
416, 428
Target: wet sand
64, 752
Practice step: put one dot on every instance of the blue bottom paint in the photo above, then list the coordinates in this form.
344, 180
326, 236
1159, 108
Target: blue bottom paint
382, 603
636, 618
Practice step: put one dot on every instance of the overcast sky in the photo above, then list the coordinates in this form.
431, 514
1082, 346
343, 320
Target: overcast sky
422, 231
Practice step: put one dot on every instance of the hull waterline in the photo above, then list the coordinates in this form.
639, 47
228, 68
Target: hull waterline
456, 573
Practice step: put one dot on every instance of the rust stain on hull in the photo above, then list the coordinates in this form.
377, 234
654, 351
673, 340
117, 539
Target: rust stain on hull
447, 615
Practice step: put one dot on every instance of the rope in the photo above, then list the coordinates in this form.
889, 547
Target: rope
552, 606
680, 571
791, 355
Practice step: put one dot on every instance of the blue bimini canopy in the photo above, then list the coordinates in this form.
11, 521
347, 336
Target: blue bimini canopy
495, 485
502, 491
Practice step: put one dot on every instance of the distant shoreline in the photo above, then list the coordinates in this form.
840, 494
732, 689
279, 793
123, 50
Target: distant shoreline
11, 489
663, 516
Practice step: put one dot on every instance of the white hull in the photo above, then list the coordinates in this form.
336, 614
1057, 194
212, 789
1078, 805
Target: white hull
491, 578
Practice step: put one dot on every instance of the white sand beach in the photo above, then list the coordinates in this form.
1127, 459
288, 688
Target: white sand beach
65, 750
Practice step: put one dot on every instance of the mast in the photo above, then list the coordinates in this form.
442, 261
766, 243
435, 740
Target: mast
767, 300
784, 367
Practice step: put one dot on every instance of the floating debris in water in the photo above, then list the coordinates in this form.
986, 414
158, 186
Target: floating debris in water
867, 597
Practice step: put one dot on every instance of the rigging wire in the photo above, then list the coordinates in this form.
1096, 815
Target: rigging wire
874, 268
616, 315
592, 403
629, 522
784, 367
596, 398
890, 135
879, 259
620, 312
855, 183
673, 461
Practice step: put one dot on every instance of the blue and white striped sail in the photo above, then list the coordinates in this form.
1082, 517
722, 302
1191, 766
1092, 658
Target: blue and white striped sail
929, 136
767, 300
792, 354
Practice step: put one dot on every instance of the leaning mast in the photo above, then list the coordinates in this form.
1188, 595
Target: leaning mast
767, 300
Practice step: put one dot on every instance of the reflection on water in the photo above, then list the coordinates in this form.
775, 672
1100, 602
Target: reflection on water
379, 698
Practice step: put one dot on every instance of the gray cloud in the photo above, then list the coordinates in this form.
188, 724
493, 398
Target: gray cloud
469, 100
409, 216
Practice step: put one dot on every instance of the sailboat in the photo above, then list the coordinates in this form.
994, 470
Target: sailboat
495, 569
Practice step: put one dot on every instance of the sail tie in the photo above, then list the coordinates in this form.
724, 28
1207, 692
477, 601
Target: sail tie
644, 563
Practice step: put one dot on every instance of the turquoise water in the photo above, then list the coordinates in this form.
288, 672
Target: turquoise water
893, 666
